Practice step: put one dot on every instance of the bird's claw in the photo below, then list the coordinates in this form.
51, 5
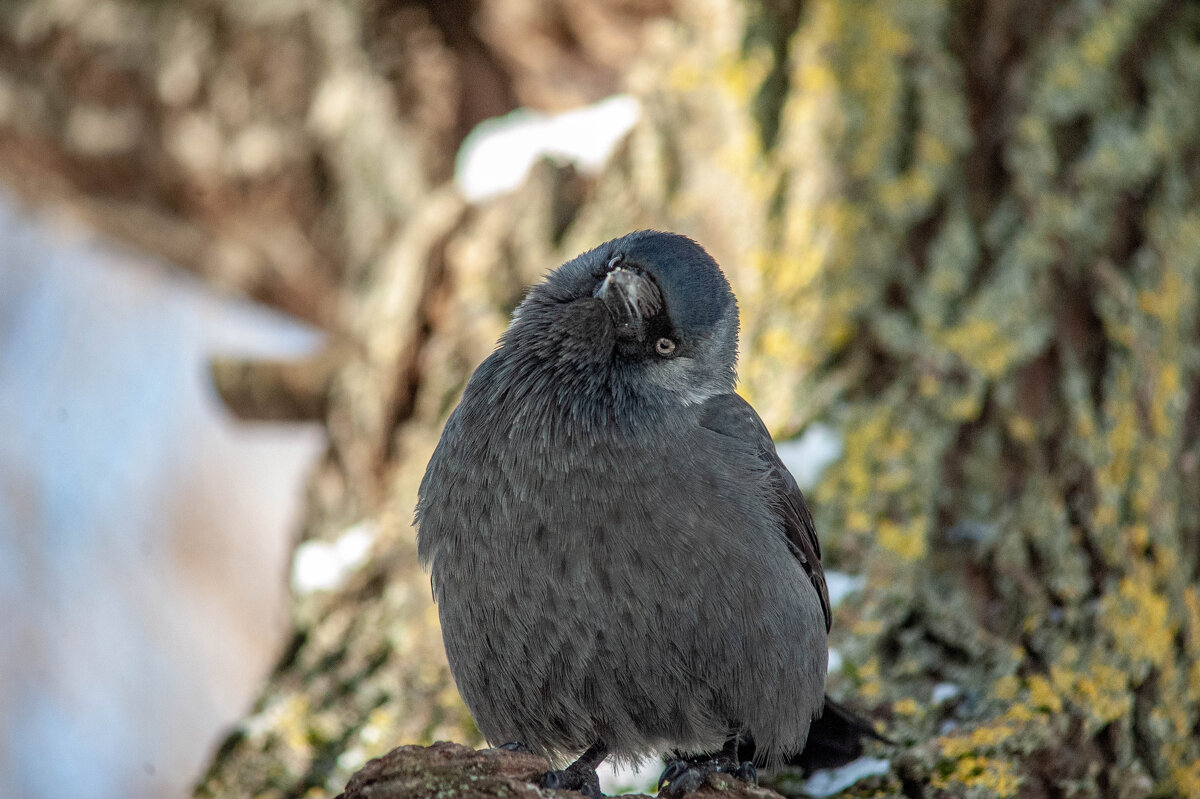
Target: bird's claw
672, 772
685, 776
514, 746
684, 780
569, 780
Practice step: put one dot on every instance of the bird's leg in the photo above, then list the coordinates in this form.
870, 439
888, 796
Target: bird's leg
745, 770
514, 746
684, 775
581, 775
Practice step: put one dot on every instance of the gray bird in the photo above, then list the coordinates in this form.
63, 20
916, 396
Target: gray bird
622, 564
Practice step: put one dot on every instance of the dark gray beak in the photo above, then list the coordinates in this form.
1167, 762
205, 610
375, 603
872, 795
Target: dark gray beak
631, 297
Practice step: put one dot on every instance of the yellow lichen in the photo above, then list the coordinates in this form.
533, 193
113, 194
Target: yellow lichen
1137, 618
1020, 713
1042, 695
966, 407
1186, 779
868, 674
1101, 691
990, 774
858, 520
867, 628
294, 719
1006, 687
990, 736
981, 343
1022, 429
981, 739
1191, 602
905, 541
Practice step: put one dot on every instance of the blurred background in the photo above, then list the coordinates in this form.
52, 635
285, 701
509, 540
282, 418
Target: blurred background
250, 252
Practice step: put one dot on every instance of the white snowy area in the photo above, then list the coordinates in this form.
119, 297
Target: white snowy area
321, 565
944, 692
615, 781
823, 783
842, 585
498, 154
808, 455
828, 782
143, 533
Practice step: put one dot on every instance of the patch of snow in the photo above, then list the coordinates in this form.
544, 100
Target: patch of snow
972, 531
321, 565
139, 521
496, 156
842, 585
944, 692
622, 780
808, 455
827, 782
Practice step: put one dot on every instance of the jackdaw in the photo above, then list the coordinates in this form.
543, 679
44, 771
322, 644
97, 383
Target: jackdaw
622, 564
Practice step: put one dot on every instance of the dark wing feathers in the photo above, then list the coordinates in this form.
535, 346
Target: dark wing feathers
730, 415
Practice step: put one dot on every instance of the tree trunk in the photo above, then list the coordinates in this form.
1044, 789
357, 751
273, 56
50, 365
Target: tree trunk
966, 235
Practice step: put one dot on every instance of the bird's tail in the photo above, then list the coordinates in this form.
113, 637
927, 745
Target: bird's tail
835, 738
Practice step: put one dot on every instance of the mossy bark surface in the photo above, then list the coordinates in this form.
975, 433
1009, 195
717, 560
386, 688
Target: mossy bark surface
965, 235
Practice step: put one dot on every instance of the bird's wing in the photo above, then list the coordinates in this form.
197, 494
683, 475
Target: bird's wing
730, 415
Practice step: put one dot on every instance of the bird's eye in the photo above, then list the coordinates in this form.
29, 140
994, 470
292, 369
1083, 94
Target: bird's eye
665, 347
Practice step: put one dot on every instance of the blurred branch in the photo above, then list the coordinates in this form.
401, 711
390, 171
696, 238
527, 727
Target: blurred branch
278, 391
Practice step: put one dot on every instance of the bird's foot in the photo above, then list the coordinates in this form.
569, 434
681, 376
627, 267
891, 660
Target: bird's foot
685, 775
585, 780
514, 746
746, 772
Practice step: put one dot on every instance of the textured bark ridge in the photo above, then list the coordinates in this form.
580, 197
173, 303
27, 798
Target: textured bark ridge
453, 770
415, 772
966, 235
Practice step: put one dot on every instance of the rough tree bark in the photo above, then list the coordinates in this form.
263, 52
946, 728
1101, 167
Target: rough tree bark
967, 235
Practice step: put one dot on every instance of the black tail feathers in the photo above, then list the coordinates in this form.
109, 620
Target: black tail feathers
835, 738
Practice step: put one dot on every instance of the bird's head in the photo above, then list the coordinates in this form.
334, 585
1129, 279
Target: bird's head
652, 309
